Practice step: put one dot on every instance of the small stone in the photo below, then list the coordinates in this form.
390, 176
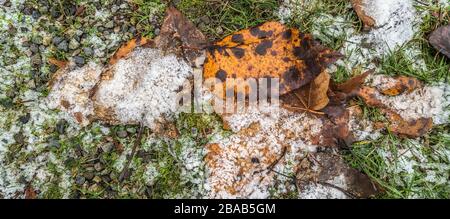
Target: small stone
93, 188
36, 59
73, 44
88, 51
79, 180
98, 167
97, 179
109, 25
64, 46
131, 130
122, 134
78, 60
106, 179
53, 68
89, 175
56, 40
107, 147
35, 14
61, 126
24, 119
34, 48
19, 138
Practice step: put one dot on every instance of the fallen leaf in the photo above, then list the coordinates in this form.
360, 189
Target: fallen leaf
358, 6
30, 193
401, 85
353, 84
128, 47
311, 98
369, 96
60, 64
327, 167
408, 128
440, 39
270, 50
179, 35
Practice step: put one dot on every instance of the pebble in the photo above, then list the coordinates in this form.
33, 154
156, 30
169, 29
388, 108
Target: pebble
35, 14
61, 126
56, 40
89, 175
73, 44
107, 147
36, 59
79, 180
122, 134
97, 179
109, 25
25, 118
88, 51
34, 48
19, 138
98, 167
64, 46
78, 60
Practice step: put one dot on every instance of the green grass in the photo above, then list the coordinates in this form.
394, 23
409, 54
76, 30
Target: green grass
227, 16
148, 16
368, 157
437, 66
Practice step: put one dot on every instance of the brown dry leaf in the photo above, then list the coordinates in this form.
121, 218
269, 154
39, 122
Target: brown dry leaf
329, 166
179, 35
399, 126
353, 84
312, 97
270, 50
128, 47
369, 95
412, 128
402, 84
30, 193
440, 39
358, 6
59, 63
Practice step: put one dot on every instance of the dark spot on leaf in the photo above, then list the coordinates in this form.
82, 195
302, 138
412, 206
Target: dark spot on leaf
221, 75
237, 38
238, 52
261, 49
287, 34
255, 31
291, 75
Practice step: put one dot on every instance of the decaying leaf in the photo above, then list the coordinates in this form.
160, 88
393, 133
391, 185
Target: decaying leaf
30, 193
180, 36
401, 85
412, 128
270, 50
60, 64
353, 84
325, 167
312, 97
440, 39
398, 125
128, 47
358, 6
369, 96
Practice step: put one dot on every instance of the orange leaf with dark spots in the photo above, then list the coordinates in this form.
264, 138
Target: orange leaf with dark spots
270, 50
401, 85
